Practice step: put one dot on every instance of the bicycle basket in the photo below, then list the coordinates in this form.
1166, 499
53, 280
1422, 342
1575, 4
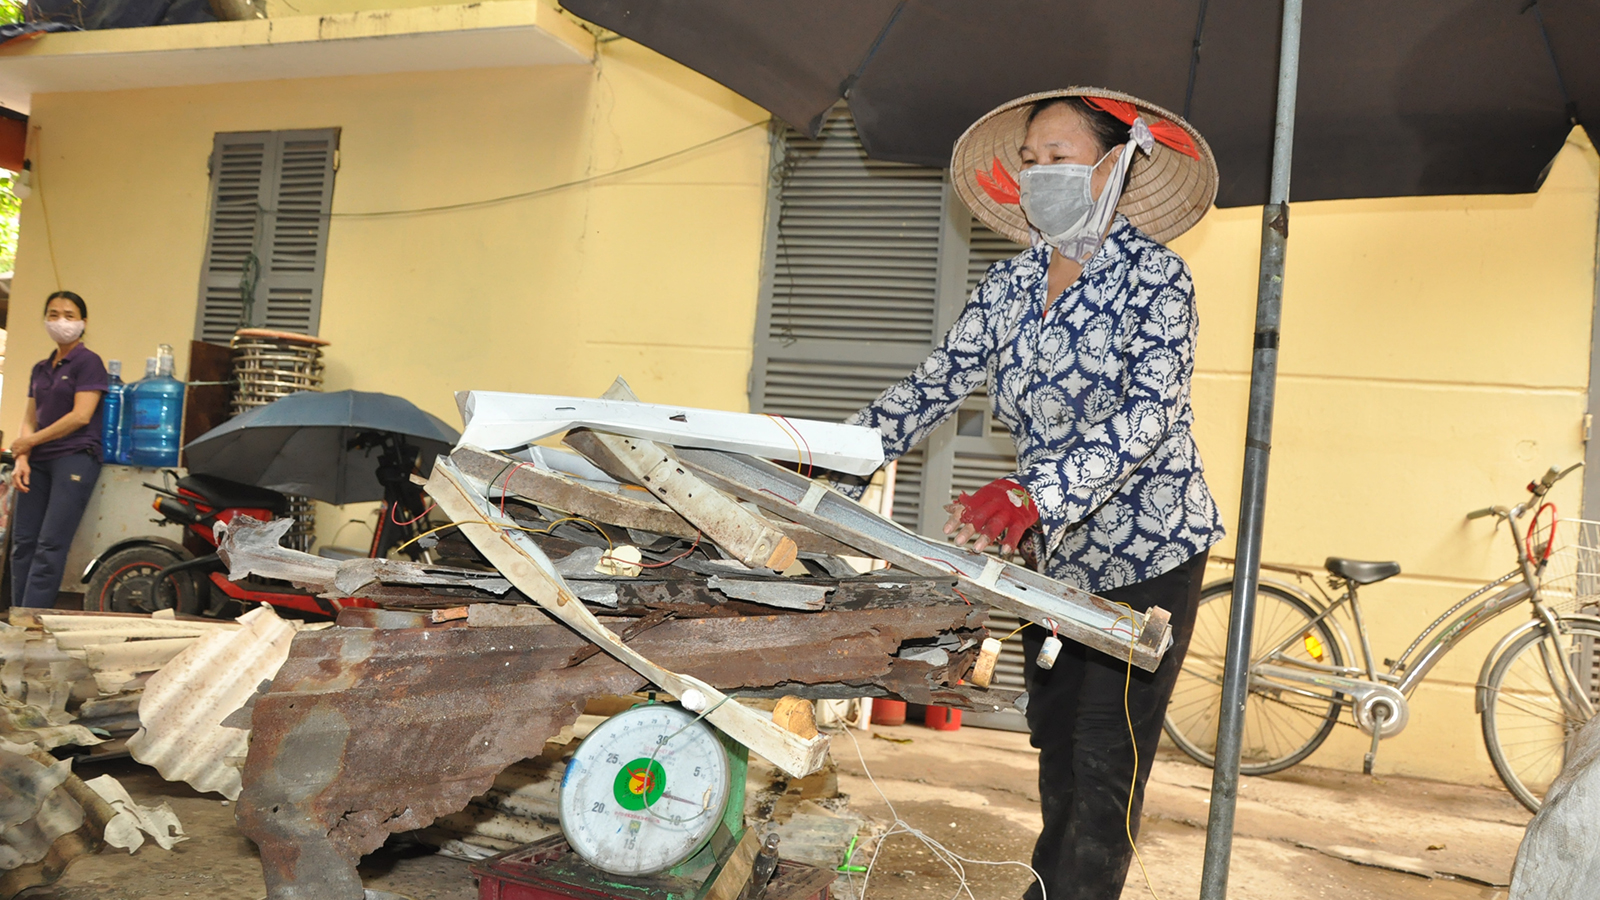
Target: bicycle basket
1570, 582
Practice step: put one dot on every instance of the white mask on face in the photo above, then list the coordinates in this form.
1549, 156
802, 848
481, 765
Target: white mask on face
64, 331
1062, 211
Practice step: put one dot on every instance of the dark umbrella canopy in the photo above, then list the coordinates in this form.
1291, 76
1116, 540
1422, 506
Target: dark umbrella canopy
1423, 97
325, 446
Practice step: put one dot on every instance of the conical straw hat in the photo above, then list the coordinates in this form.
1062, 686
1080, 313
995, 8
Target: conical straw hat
1168, 190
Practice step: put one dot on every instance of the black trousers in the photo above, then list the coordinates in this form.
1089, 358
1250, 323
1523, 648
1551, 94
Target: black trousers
1075, 712
43, 525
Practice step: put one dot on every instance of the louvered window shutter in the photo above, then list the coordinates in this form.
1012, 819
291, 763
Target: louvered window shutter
271, 193
867, 264
849, 289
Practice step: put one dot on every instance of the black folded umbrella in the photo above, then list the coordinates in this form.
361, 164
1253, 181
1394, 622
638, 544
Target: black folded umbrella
325, 446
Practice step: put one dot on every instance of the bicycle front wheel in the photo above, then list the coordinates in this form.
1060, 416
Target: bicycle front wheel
1532, 713
1283, 723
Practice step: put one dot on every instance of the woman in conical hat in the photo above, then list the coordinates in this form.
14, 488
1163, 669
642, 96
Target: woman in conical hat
1086, 341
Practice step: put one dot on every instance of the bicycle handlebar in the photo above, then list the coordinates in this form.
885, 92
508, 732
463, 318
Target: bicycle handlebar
1537, 488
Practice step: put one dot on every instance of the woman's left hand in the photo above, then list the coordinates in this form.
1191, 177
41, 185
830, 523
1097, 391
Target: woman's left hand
23, 444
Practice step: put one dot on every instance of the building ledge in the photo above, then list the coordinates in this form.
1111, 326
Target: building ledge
419, 39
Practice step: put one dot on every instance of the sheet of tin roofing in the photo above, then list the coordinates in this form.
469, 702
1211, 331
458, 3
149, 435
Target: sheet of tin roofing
181, 714
33, 809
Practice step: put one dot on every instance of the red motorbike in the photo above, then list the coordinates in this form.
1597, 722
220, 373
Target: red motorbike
147, 573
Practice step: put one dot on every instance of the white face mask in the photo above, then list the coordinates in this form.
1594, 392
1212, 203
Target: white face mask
1060, 208
64, 331
1063, 212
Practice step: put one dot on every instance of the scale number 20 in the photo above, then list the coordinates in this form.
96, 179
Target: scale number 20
597, 808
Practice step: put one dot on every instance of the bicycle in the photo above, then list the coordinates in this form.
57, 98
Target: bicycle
1538, 685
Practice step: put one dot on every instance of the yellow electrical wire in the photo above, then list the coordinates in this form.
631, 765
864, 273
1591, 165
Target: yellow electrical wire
1127, 821
546, 530
800, 455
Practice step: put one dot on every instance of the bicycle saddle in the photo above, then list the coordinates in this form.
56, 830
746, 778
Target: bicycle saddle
1358, 572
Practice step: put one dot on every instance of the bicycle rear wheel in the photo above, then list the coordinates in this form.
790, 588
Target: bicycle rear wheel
1283, 723
1530, 716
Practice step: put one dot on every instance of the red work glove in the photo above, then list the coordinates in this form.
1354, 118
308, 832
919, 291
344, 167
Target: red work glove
999, 513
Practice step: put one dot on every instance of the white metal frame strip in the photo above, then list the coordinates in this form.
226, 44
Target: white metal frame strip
499, 421
1069, 611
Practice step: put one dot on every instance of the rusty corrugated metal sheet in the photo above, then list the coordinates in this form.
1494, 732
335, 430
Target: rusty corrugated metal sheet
34, 811
371, 731
181, 713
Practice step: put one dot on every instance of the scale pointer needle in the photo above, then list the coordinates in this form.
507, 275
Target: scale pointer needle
681, 800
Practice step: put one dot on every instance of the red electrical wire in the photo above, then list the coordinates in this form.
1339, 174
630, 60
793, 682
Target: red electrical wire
505, 486
953, 568
408, 521
810, 458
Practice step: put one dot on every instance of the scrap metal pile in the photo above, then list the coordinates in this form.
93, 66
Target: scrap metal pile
668, 553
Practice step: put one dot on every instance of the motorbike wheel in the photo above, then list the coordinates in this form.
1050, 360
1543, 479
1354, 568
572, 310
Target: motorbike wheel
125, 582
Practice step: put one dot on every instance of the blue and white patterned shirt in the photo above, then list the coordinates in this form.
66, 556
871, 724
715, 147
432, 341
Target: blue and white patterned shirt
1096, 397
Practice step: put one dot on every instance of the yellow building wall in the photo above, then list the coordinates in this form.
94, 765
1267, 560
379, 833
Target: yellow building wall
1434, 355
1434, 359
651, 274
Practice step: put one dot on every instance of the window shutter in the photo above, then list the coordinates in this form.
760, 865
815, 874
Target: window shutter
867, 264
270, 198
983, 449
848, 295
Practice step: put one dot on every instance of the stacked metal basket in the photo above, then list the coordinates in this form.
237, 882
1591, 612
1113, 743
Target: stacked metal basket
268, 365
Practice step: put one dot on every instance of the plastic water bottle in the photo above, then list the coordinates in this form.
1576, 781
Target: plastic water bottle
114, 449
155, 407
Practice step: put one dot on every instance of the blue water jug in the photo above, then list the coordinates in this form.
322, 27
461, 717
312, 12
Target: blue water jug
155, 414
114, 448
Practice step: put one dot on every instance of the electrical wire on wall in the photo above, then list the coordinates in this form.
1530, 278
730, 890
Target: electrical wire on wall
36, 138
521, 195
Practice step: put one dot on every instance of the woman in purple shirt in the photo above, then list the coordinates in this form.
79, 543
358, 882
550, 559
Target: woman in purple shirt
58, 453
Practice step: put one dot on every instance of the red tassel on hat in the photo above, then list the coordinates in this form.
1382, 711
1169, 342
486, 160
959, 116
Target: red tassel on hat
1162, 130
1000, 186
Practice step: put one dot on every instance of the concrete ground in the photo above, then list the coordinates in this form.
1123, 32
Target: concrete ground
976, 792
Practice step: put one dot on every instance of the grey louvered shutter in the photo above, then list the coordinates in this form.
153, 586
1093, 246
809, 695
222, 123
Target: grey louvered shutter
984, 451
271, 193
850, 286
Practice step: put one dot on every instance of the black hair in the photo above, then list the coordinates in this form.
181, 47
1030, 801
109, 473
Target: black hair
83, 308
1108, 130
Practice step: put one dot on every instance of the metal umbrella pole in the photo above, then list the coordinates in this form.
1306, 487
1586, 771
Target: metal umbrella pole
1257, 450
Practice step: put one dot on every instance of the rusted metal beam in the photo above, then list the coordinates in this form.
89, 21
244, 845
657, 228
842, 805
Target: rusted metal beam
517, 557
370, 731
748, 537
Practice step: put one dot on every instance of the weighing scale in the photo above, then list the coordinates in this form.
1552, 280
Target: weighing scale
646, 790
652, 807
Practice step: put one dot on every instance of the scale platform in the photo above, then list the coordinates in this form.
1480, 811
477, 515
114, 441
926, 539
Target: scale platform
549, 870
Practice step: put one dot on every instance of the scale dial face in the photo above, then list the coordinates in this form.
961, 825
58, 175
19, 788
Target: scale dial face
644, 790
